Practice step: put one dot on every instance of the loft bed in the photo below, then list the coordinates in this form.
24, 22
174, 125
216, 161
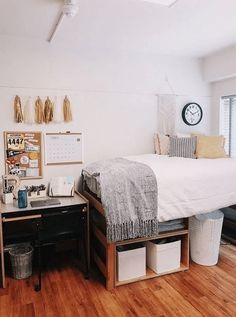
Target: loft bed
229, 225
186, 187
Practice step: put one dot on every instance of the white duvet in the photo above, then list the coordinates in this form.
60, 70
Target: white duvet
188, 187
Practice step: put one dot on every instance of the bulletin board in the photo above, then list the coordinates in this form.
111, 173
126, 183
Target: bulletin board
23, 154
63, 148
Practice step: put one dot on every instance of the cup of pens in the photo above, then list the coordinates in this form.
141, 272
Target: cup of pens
7, 195
7, 198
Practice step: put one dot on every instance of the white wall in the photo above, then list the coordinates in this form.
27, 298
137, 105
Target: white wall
220, 65
220, 69
221, 88
113, 95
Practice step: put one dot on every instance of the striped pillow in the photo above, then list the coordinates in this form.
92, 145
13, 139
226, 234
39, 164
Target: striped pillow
183, 147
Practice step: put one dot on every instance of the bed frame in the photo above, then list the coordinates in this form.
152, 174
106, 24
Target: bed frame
229, 227
104, 253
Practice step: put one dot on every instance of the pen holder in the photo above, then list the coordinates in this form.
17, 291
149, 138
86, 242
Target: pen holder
7, 198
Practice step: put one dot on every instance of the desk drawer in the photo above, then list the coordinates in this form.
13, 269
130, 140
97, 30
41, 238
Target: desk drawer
61, 212
20, 231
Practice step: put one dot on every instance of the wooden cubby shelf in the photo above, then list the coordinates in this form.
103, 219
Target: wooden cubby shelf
184, 259
105, 255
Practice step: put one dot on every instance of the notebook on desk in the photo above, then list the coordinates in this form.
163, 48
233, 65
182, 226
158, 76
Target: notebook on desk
45, 202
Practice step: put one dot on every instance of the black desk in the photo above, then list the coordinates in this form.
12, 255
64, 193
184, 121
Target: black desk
11, 213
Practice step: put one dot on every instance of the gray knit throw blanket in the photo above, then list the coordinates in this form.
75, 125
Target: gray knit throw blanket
129, 198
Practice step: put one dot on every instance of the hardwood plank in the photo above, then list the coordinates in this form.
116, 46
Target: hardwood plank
201, 291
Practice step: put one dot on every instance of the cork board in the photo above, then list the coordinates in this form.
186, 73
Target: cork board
23, 154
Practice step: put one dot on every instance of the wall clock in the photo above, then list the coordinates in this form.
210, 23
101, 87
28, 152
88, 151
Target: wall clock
192, 113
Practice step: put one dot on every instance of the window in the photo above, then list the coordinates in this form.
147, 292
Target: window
228, 123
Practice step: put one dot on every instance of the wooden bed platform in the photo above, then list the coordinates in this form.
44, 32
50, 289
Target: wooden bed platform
104, 253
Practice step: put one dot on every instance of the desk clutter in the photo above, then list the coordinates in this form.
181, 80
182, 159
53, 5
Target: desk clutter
58, 186
11, 189
36, 191
42, 112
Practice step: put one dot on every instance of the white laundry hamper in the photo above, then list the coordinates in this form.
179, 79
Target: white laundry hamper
205, 233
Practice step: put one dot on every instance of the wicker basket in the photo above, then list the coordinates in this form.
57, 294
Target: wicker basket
21, 261
205, 234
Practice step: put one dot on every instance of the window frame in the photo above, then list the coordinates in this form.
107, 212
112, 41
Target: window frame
230, 97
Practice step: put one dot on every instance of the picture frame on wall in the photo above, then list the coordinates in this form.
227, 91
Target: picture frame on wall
23, 154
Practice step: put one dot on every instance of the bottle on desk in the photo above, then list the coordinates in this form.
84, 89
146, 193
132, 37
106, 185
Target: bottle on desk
22, 197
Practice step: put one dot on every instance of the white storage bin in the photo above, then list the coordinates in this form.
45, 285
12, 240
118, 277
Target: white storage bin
205, 233
131, 263
164, 257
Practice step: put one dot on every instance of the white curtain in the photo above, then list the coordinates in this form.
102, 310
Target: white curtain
166, 114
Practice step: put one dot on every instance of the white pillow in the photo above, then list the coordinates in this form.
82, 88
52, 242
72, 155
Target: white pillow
156, 144
164, 143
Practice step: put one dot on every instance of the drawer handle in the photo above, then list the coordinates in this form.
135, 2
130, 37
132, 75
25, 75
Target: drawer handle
4, 219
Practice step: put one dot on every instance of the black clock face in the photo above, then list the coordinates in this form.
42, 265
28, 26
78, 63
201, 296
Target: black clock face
192, 113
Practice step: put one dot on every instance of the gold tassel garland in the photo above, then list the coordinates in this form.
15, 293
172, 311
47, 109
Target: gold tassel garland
67, 110
39, 114
57, 112
29, 111
18, 110
48, 111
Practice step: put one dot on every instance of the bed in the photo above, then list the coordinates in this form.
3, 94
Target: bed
186, 187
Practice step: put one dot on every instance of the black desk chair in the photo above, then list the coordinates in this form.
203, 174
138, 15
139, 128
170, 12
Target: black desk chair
59, 226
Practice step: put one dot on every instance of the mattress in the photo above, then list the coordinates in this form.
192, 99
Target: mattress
186, 187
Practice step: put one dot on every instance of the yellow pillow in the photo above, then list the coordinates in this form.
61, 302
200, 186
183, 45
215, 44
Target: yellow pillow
210, 147
202, 134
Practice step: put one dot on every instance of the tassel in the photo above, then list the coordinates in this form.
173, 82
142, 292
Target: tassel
67, 110
29, 112
48, 111
39, 115
18, 110
57, 112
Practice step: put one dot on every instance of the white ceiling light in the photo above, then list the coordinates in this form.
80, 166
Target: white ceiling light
167, 3
69, 9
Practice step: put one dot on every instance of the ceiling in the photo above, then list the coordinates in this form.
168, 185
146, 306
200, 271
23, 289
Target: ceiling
189, 28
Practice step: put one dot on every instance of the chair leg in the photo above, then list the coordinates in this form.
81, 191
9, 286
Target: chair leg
37, 287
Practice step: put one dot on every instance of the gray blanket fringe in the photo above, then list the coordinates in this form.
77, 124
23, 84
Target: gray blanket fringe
124, 231
129, 198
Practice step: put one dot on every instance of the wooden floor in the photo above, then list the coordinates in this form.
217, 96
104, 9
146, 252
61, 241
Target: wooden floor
202, 291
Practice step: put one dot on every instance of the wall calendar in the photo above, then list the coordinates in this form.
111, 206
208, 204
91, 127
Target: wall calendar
63, 148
